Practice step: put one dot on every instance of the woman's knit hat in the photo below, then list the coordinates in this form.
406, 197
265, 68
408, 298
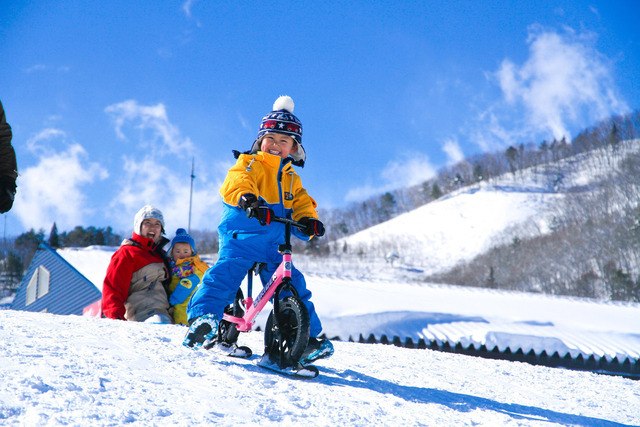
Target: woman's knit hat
182, 237
147, 211
282, 120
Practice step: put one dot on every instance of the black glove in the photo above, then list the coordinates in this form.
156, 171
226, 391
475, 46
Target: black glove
312, 226
254, 209
7, 193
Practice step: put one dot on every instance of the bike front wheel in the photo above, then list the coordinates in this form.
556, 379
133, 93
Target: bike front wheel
286, 337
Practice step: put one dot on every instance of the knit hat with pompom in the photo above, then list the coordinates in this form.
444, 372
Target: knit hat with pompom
182, 237
282, 120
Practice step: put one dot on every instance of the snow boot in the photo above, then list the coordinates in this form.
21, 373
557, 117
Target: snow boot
316, 349
203, 328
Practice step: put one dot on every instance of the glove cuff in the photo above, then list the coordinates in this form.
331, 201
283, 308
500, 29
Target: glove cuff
248, 200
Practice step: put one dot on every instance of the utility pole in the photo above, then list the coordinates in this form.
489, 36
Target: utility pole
191, 194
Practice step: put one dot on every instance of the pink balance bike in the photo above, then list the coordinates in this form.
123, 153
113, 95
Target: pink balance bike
287, 330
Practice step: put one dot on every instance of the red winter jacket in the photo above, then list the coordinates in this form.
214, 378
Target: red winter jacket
133, 287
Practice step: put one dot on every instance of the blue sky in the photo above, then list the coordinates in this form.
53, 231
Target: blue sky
110, 101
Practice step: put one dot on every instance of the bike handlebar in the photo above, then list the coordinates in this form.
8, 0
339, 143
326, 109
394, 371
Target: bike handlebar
280, 219
284, 220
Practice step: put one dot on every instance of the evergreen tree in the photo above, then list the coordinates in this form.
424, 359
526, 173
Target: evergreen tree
81, 237
586, 285
477, 173
614, 138
54, 239
14, 268
27, 243
544, 152
343, 228
30, 240
387, 206
635, 228
436, 193
622, 286
491, 279
512, 157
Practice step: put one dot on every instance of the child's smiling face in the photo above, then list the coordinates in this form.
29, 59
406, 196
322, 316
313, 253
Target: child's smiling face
278, 144
181, 250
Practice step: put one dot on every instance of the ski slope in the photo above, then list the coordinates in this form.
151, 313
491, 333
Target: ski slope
350, 308
470, 221
78, 371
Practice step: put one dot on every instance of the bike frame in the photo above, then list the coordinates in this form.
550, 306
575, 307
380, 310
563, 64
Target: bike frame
281, 279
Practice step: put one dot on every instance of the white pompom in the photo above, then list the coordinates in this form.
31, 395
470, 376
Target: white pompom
283, 103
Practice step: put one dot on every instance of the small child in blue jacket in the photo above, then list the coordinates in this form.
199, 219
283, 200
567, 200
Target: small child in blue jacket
186, 272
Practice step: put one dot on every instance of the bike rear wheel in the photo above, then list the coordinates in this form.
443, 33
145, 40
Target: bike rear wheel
286, 337
227, 331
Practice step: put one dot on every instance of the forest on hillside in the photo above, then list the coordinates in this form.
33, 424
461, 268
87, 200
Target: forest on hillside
593, 250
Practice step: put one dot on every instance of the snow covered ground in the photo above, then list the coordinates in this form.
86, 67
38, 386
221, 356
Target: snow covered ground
440, 234
70, 370
350, 307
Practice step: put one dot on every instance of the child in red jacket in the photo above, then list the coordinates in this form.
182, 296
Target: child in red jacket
134, 287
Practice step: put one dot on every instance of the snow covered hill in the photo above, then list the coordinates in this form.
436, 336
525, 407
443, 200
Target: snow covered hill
470, 221
353, 309
69, 370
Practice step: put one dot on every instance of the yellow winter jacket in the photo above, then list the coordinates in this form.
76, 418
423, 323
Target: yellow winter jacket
186, 275
266, 176
274, 182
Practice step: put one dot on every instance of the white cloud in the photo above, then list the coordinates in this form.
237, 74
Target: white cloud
167, 188
159, 172
155, 169
165, 138
453, 151
43, 67
564, 84
565, 81
244, 123
363, 193
187, 7
51, 191
413, 169
39, 143
34, 68
491, 135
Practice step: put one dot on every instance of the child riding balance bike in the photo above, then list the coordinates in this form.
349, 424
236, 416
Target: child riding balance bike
287, 328
261, 185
